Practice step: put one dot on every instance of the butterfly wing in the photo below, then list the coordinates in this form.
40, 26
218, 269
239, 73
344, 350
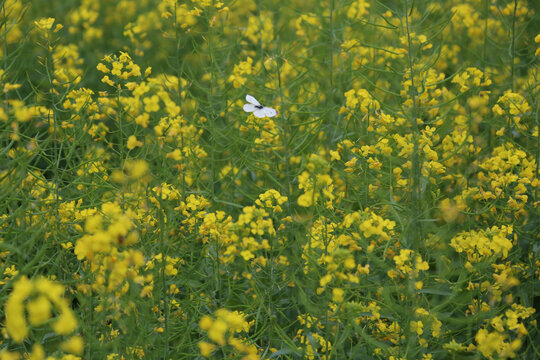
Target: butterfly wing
255, 107
249, 108
250, 99
259, 113
269, 111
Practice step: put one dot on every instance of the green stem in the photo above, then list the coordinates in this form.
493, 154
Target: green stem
179, 73
415, 230
164, 295
513, 45
286, 130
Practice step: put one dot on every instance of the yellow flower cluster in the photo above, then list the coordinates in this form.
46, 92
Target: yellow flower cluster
46, 24
33, 304
427, 90
260, 29
512, 104
515, 107
271, 199
67, 65
358, 9
80, 100
314, 187
314, 344
498, 342
399, 183
408, 263
107, 234
471, 77
121, 67
224, 330
305, 24
361, 99
316, 183
483, 244
241, 72
83, 19
265, 133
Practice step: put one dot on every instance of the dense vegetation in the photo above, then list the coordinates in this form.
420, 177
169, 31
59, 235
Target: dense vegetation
389, 211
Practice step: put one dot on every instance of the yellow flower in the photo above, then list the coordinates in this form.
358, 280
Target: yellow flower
337, 295
512, 103
151, 104
240, 71
358, 9
136, 169
363, 99
206, 322
307, 19
306, 199
37, 352
107, 81
66, 322
103, 68
44, 23
217, 331
15, 321
73, 345
260, 28
489, 343
132, 142
206, 348
454, 346
39, 310
471, 77
436, 327
417, 327
8, 87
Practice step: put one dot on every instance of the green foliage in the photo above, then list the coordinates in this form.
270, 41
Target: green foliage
389, 210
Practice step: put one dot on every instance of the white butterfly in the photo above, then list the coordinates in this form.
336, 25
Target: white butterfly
257, 109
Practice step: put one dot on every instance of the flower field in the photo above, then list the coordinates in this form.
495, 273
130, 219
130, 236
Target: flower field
389, 210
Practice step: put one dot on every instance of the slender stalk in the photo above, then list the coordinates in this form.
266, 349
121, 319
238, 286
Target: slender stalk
179, 73
217, 273
211, 95
484, 49
5, 55
49, 66
164, 294
537, 213
330, 96
513, 45
415, 229
261, 48
286, 130
331, 48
